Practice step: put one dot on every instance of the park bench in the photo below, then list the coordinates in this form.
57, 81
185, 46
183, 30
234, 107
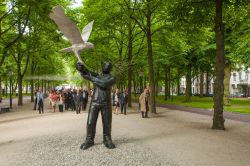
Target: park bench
4, 109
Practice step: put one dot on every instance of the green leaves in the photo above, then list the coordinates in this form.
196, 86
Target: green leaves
182, 31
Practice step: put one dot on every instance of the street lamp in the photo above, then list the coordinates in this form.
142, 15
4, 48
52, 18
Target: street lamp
11, 76
140, 72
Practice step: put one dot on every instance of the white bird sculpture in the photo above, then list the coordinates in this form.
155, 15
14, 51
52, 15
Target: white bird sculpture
69, 29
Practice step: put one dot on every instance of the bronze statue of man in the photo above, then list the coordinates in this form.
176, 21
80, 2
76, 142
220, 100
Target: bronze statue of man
101, 101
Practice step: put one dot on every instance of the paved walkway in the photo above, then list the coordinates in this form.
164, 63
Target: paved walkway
24, 112
18, 112
170, 137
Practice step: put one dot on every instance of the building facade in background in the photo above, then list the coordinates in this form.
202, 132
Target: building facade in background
239, 84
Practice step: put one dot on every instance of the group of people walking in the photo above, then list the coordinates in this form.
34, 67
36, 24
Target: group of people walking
70, 99
77, 99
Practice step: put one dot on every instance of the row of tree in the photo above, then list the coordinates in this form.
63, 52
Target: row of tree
28, 42
173, 39
154, 39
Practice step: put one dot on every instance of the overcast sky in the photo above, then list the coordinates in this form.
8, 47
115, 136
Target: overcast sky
76, 3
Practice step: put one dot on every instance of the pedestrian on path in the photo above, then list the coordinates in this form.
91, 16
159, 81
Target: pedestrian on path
85, 96
116, 101
123, 100
35, 103
78, 99
61, 101
40, 97
54, 98
144, 103
50, 102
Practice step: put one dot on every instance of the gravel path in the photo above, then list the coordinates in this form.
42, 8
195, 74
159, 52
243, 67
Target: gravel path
167, 138
64, 150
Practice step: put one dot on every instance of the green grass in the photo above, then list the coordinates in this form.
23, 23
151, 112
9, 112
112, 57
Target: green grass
239, 105
205, 102
238, 110
240, 102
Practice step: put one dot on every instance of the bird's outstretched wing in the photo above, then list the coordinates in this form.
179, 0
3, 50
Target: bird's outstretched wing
67, 26
87, 31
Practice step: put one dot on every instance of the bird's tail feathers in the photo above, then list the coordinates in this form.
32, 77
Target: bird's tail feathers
89, 45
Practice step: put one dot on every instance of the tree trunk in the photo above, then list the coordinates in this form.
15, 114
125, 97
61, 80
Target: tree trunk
144, 82
38, 84
166, 82
218, 120
207, 83
178, 83
150, 63
172, 94
27, 87
201, 84
157, 83
32, 90
227, 84
0, 87
169, 82
6, 87
32, 71
130, 69
130, 85
19, 76
188, 84
46, 86
14, 83
20, 87
178, 86
42, 85
135, 86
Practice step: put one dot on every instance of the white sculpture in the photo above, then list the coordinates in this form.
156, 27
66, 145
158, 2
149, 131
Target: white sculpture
69, 29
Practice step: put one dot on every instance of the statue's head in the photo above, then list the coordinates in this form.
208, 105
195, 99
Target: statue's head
106, 67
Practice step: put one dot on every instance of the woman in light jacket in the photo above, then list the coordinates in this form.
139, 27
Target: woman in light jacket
116, 101
144, 103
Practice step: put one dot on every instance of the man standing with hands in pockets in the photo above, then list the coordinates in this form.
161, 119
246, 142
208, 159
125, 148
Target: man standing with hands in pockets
123, 101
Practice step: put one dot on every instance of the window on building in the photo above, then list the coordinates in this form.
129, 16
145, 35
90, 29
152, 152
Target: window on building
233, 86
234, 76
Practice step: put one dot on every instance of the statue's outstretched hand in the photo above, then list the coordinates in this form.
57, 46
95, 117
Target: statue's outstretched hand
79, 66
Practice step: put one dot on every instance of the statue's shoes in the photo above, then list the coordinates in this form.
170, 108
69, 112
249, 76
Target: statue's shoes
86, 145
109, 144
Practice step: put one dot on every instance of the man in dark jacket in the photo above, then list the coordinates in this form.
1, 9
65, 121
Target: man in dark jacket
39, 98
85, 96
123, 99
101, 101
78, 99
70, 100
